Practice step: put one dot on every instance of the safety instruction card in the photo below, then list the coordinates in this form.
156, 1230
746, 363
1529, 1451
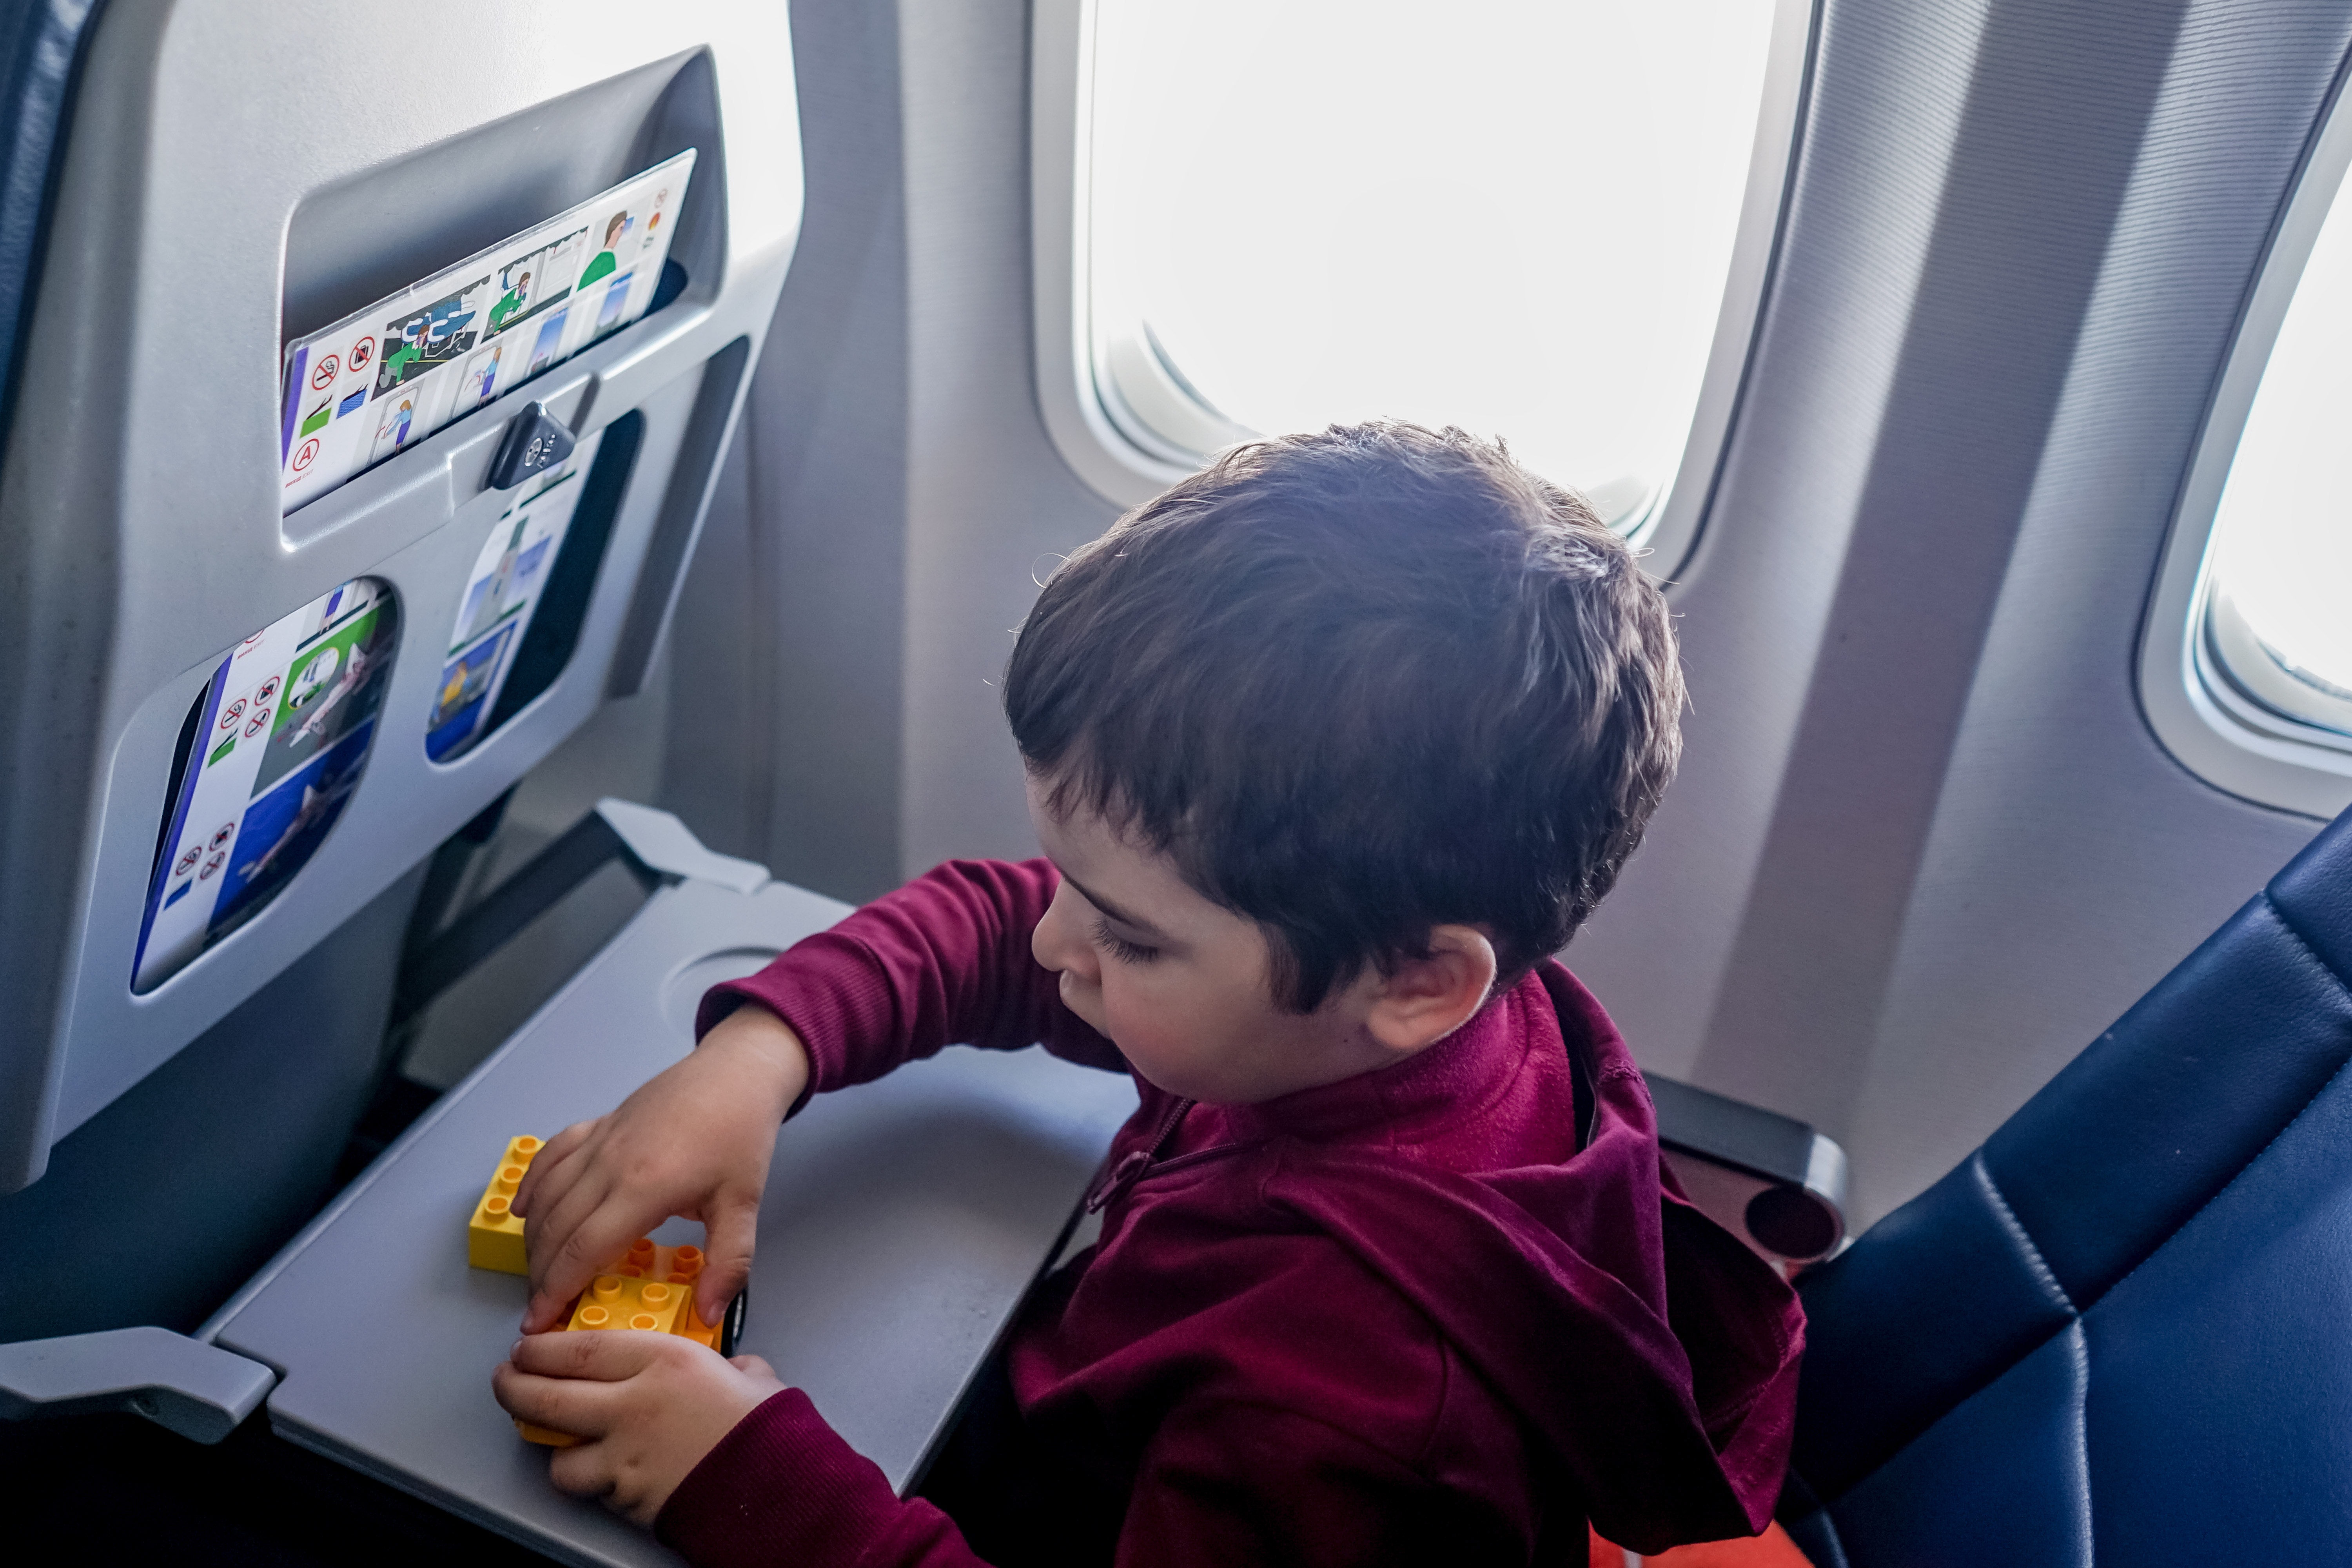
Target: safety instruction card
386, 378
280, 737
500, 594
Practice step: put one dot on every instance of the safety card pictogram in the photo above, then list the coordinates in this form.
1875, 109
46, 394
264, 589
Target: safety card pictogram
281, 735
495, 611
378, 382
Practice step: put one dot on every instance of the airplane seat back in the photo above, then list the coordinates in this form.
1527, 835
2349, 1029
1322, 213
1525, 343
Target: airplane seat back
2115, 1332
40, 46
195, 194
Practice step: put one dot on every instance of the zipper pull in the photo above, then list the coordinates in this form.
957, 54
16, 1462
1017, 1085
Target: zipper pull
1137, 1161
1124, 1172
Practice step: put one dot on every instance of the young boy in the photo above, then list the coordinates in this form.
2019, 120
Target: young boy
1329, 748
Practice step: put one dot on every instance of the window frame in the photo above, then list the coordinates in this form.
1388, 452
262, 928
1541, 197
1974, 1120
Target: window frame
2217, 702
1082, 376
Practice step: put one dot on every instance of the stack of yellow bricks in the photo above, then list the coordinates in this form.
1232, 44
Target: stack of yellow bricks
651, 1288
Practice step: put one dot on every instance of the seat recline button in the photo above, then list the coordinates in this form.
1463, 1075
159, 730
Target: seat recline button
534, 443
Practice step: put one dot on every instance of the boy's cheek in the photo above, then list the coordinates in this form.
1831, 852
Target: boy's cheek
1087, 1002
1143, 1040
1140, 1025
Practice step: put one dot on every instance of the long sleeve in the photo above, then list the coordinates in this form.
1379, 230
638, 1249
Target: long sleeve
784, 1489
943, 961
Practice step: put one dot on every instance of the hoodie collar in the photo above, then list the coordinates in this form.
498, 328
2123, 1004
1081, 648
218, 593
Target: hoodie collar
1459, 1077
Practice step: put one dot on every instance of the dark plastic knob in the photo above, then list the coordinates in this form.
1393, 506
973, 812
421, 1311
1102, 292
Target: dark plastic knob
1794, 1222
534, 443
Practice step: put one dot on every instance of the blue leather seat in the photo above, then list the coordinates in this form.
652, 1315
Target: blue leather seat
2120, 1333
41, 44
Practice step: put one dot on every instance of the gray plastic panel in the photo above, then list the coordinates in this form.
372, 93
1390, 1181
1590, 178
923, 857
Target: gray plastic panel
904, 1221
140, 476
197, 1390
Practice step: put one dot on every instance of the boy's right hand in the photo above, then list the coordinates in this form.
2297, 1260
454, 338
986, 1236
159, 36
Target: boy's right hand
694, 1141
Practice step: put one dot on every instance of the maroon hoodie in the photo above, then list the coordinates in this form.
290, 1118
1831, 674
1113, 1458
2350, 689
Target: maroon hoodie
1448, 1310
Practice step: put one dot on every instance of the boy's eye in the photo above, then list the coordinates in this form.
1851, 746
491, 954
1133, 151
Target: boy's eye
1118, 947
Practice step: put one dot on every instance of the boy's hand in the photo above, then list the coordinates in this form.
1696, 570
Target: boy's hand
646, 1406
694, 1140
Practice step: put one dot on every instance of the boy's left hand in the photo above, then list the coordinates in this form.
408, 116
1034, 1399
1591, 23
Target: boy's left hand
646, 1406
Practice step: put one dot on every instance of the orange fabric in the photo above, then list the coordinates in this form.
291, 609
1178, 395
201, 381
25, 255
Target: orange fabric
1773, 1548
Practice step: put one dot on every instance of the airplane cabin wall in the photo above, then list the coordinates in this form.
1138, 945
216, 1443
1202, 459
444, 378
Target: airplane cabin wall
991, 506
1925, 845
783, 741
872, 546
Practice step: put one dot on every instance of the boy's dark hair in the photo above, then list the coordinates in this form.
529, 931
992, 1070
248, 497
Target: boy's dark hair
1357, 685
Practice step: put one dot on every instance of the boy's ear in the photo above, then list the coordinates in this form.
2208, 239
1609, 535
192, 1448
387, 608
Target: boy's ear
1427, 998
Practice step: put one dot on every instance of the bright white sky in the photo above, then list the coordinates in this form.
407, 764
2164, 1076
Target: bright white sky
2285, 530
1514, 216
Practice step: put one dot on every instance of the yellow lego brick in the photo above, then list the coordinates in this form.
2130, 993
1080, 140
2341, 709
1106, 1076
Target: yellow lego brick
614, 1303
651, 1288
693, 1328
677, 1266
494, 1236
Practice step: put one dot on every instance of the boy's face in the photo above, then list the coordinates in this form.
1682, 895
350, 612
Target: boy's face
1183, 987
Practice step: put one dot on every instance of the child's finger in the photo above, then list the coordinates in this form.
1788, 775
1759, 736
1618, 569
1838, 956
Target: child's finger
582, 1471
582, 1407
545, 1172
606, 1355
731, 1229
569, 1258
560, 1271
582, 1232
757, 1366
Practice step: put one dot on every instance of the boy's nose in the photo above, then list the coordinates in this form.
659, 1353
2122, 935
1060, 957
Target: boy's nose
1057, 944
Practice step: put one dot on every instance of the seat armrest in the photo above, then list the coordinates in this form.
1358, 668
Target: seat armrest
197, 1390
1770, 1179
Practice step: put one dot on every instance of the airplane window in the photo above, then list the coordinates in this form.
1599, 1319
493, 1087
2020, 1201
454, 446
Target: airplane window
1515, 215
2282, 536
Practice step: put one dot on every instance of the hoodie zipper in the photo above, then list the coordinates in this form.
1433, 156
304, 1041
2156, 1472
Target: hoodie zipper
1132, 1165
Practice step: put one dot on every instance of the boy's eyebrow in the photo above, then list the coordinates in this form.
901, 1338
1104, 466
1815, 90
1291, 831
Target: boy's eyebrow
1106, 907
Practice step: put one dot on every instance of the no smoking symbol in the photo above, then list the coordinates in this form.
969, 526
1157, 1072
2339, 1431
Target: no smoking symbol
325, 376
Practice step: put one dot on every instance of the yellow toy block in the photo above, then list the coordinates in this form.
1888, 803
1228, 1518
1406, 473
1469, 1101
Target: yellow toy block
679, 1266
651, 1288
494, 1236
695, 1328
612, 1302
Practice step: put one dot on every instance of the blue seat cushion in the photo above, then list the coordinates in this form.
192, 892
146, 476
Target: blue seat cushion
2199, 1412
2171, 1218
